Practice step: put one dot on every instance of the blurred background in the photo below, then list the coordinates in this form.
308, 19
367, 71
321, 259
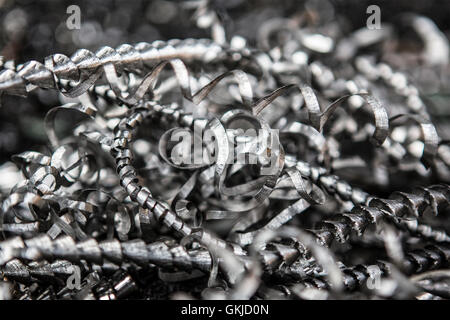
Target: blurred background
35, 29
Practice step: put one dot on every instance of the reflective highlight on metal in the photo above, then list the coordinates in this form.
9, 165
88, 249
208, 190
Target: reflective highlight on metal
348, 198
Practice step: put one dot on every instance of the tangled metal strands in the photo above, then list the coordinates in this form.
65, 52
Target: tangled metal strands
305, 161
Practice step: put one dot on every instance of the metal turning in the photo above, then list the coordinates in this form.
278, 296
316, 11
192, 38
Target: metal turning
282, 156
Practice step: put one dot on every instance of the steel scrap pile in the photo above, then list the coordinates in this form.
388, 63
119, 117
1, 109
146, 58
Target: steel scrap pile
342, 193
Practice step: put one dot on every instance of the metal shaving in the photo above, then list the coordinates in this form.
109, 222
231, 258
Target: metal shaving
274, 152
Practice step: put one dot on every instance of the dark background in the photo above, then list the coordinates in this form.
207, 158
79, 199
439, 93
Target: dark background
113, 22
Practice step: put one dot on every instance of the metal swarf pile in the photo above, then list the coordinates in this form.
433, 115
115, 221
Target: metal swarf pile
291, 157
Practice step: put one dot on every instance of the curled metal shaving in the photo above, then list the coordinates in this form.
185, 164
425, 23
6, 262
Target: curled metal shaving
107, 198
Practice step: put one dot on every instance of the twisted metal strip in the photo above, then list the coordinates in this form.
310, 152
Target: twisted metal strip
129, 181
168, 255
86, 67
165, 254
340, 226
159, 253
87, 75
319, 175
417, 261
396, 80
